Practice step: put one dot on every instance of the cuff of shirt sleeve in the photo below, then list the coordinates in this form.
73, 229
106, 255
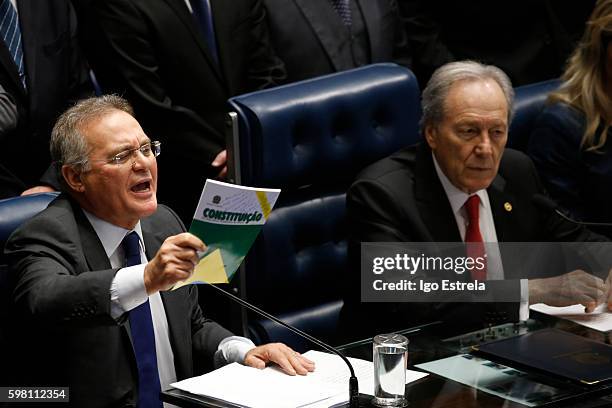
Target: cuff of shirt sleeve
524, 307
127, 290
235, 348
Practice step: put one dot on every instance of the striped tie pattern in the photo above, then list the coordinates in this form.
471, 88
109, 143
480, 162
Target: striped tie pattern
11, 34
343, 8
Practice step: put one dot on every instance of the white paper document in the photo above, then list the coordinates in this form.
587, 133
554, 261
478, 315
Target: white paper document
600, 319
271, 388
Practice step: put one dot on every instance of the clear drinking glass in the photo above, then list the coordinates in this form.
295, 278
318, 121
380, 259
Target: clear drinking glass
390, 354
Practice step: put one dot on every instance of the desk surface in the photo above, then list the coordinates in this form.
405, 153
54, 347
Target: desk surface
428, 343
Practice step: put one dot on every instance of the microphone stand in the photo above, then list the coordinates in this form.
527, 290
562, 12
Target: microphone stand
353, 383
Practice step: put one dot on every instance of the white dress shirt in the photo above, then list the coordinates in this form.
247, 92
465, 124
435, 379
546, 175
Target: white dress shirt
495, 269
128, 291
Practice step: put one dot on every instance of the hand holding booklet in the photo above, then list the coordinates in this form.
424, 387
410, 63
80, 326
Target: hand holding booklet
228, 219
271, 388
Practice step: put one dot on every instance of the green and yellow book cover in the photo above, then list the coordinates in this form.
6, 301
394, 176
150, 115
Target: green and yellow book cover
228, 219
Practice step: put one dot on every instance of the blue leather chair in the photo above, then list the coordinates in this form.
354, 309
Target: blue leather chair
528, 103
311, 138
13, 212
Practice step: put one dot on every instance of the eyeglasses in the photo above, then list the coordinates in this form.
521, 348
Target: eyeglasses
123, 157
146, 149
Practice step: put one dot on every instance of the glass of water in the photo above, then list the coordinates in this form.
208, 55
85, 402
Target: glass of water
390, 361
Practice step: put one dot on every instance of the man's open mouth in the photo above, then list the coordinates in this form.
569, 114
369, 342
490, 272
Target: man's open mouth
142, 187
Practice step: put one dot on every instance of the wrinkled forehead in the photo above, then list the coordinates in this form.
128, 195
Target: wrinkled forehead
477, 99
112, 130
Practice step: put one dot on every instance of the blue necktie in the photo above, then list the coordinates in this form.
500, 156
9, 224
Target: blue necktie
11, 34
203, 16
143, 336
343, 8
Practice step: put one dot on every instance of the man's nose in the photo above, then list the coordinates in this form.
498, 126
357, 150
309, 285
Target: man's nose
484, 146
139, 160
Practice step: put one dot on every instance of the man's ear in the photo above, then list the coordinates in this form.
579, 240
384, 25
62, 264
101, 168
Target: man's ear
430, 136
73, 178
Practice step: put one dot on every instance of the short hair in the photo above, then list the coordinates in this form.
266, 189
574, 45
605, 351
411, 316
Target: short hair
434, 95
68, 144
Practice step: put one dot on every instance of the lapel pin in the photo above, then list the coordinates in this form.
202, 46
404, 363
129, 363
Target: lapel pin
507, 206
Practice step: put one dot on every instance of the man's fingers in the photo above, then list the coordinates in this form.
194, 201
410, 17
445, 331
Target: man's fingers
188, 255
187, 240
220, 159
255, 361
288, 360
309, 364
589, 307
283, 361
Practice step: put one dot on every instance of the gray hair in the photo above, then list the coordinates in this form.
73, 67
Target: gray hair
435, 93
68, 144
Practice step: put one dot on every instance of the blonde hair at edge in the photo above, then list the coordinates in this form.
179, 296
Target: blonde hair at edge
584, 85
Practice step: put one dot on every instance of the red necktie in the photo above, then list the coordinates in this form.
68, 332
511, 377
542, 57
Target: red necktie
476, 247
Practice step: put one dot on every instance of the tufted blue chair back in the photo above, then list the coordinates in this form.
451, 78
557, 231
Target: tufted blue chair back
310, 138
529, 101
15, 210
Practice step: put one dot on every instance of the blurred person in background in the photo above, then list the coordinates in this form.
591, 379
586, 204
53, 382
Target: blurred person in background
569, 144
318, 37
178, 62
43, 71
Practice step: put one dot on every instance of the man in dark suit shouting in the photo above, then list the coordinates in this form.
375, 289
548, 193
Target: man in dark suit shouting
93, 270
462, 185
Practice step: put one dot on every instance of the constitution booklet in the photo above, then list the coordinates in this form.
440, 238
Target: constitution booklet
228, 219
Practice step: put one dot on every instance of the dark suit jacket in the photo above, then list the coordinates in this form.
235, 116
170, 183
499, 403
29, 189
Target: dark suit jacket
401, 199
310, 38
152, 51
56, 76
62, 283
579, 180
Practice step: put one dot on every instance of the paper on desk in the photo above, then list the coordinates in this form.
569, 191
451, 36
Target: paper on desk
600, 319
251, 387
270, 388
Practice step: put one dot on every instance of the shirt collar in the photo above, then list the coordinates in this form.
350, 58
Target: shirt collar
456, 197
111, 235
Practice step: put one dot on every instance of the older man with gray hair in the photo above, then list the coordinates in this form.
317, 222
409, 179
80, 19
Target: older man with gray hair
93, 271
461, 185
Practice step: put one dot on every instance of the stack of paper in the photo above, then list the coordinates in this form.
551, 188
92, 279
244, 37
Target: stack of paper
271, 388
600, 319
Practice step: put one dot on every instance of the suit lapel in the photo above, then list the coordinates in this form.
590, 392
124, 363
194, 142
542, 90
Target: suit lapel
370, 10
433, 205
179, 330
95, 255
327, 27
502, 202
180, 8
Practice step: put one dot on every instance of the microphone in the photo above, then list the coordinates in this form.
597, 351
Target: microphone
353, 384
546, 203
